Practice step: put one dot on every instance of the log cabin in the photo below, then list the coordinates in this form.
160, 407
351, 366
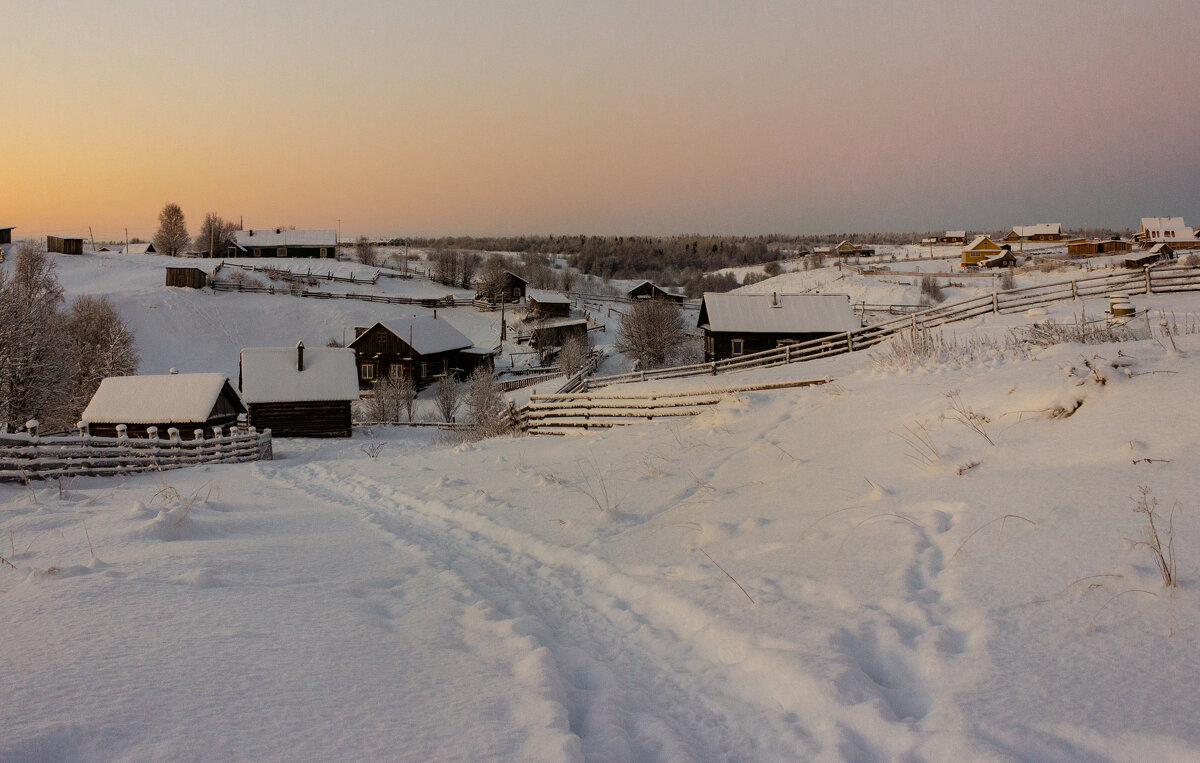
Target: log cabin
298, 392
650, 290
184, 401
743, 324
423, 348
1039, 232
547, 304
510, 289
282, 242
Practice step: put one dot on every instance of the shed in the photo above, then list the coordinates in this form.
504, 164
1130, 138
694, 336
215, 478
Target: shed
190, 278
1157, 253
184, 401
1088, 248
650, 290
556, 333
64, 244
740, 324
145, 247
285, 242
421, 348
979, 250
6, 234
547, 304
1005, 259
298, 392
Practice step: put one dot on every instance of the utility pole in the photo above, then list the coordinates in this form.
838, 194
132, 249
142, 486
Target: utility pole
93, 238
126, 241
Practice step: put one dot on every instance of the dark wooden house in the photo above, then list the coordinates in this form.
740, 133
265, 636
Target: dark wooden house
283, 242
954, 237
510, 289
64, 244
422, 348
1157, 253
298, 392
545, 305
190, 278
556, 333
742, 324
184, 401
6, 235
849, 249
649, 290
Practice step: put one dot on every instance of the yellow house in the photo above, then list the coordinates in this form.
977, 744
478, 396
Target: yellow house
979, 250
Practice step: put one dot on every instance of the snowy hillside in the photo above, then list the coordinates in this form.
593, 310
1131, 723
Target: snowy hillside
916, 561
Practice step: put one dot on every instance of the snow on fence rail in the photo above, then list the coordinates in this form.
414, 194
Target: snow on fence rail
1150, 280
24, 456
292, 275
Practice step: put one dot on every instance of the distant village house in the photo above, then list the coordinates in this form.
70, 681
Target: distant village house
299, 392
1166, 230
649, 290
955, 237
283, 242
186, 402
1039, 232
64, 244
511, 288
742, 324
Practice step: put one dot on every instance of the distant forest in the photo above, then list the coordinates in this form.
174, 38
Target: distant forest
680, 261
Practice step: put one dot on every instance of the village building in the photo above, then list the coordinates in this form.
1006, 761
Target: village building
187, 278
649, 290
510, 288
742, 324
6, 235
186, 402
299, 392
556, 333
1039, 232
1166, 230
1157, 253
544, 305
145, 247
1089, 248
848, 249
422, 348
979, 250
283, 242
64, 244
1006, 259
955, 237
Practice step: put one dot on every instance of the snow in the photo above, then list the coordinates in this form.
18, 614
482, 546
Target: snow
547, 297
782, 577
425, 334
778, 313
156, 398
269, 375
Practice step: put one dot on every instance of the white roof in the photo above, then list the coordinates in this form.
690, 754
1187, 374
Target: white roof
142, 248
269, 375
1167, 229
796, 313
559, 322
978, 242
955, 234
425, 334
1157, 248
547, 297
1041, 229
247, 239
155, 399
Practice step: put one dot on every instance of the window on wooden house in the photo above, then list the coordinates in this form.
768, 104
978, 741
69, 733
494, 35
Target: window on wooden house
324, 252
737, 346
258, 251
396, 371
281, 251
424, 369
367, 370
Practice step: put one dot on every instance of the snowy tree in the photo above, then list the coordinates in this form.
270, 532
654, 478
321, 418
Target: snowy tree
485, 405
574, 355
392, 396
365, 252
651, 332
215, 236
468, 263
34, 371
446, 397
172, 237
99, 344
490, 282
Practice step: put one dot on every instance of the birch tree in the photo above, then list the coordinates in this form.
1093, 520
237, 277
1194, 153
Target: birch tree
172, 237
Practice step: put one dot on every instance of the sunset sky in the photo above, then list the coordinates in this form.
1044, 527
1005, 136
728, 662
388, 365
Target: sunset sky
492, 117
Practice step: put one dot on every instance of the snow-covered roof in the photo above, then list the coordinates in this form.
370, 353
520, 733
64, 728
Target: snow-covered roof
1169, 229
425, 334
955, 234
1159, 247
794, 313
155, 399
269, 375
1041, 229
979, 243
559, 322
248, 239
664, 290
143, 248
547, 297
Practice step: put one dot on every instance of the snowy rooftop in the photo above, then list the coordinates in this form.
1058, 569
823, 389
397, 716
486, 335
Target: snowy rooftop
246, 239
426, 334
547, 297
155, 399
778, 313
1041, 229
956, 234
978, 243
269, 375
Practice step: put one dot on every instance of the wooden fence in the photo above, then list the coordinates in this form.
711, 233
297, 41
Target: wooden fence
564, 413
447, 301
25, 457
1151, 280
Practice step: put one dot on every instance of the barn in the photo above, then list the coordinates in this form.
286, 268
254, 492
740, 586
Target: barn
847, 248
190, 278
547, 304
184, 401
298, 392
1086, 248
556, 333
742, 324
422, 348
64, 244
650, 290
283, 242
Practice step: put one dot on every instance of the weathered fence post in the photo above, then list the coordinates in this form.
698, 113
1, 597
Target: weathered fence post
1149, 290
197, 434
152, 433
849, 342
995, 303
173, 434
123, 431
242, 423
82, 426
32, 427
1074, 290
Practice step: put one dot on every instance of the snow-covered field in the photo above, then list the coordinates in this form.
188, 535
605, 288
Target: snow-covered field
929, 563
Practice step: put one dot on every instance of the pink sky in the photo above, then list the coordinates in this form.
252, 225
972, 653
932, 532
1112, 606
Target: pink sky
626, 117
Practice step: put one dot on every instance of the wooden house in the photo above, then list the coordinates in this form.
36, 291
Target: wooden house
556, 333
1157, 253
1166, 230
64, 244
649, 290
955, 237
283, 242
189, 278
741, 324
544, 305
1006, 259
510, 289
1039, 232
145, 247
6, 235
422, 348
184, 401
298, 392
1088, 248
849, 249
979, 250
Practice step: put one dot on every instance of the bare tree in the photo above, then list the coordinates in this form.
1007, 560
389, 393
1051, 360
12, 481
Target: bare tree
366, 253
172, 236
574, 355
468, 263
33, 370
446, 396
651, 332
215, 236
490, 282
99, 344
445, 266
406, 390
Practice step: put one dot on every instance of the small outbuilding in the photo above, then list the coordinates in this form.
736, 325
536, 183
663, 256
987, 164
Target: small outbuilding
299, 392
650, 290
64, 244
848, 248
1157, 253
146, 247
184, 401
422, 348
742, 324
1006, 259
547, 304
187, 278
1088, 248
6, 234
556, 333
